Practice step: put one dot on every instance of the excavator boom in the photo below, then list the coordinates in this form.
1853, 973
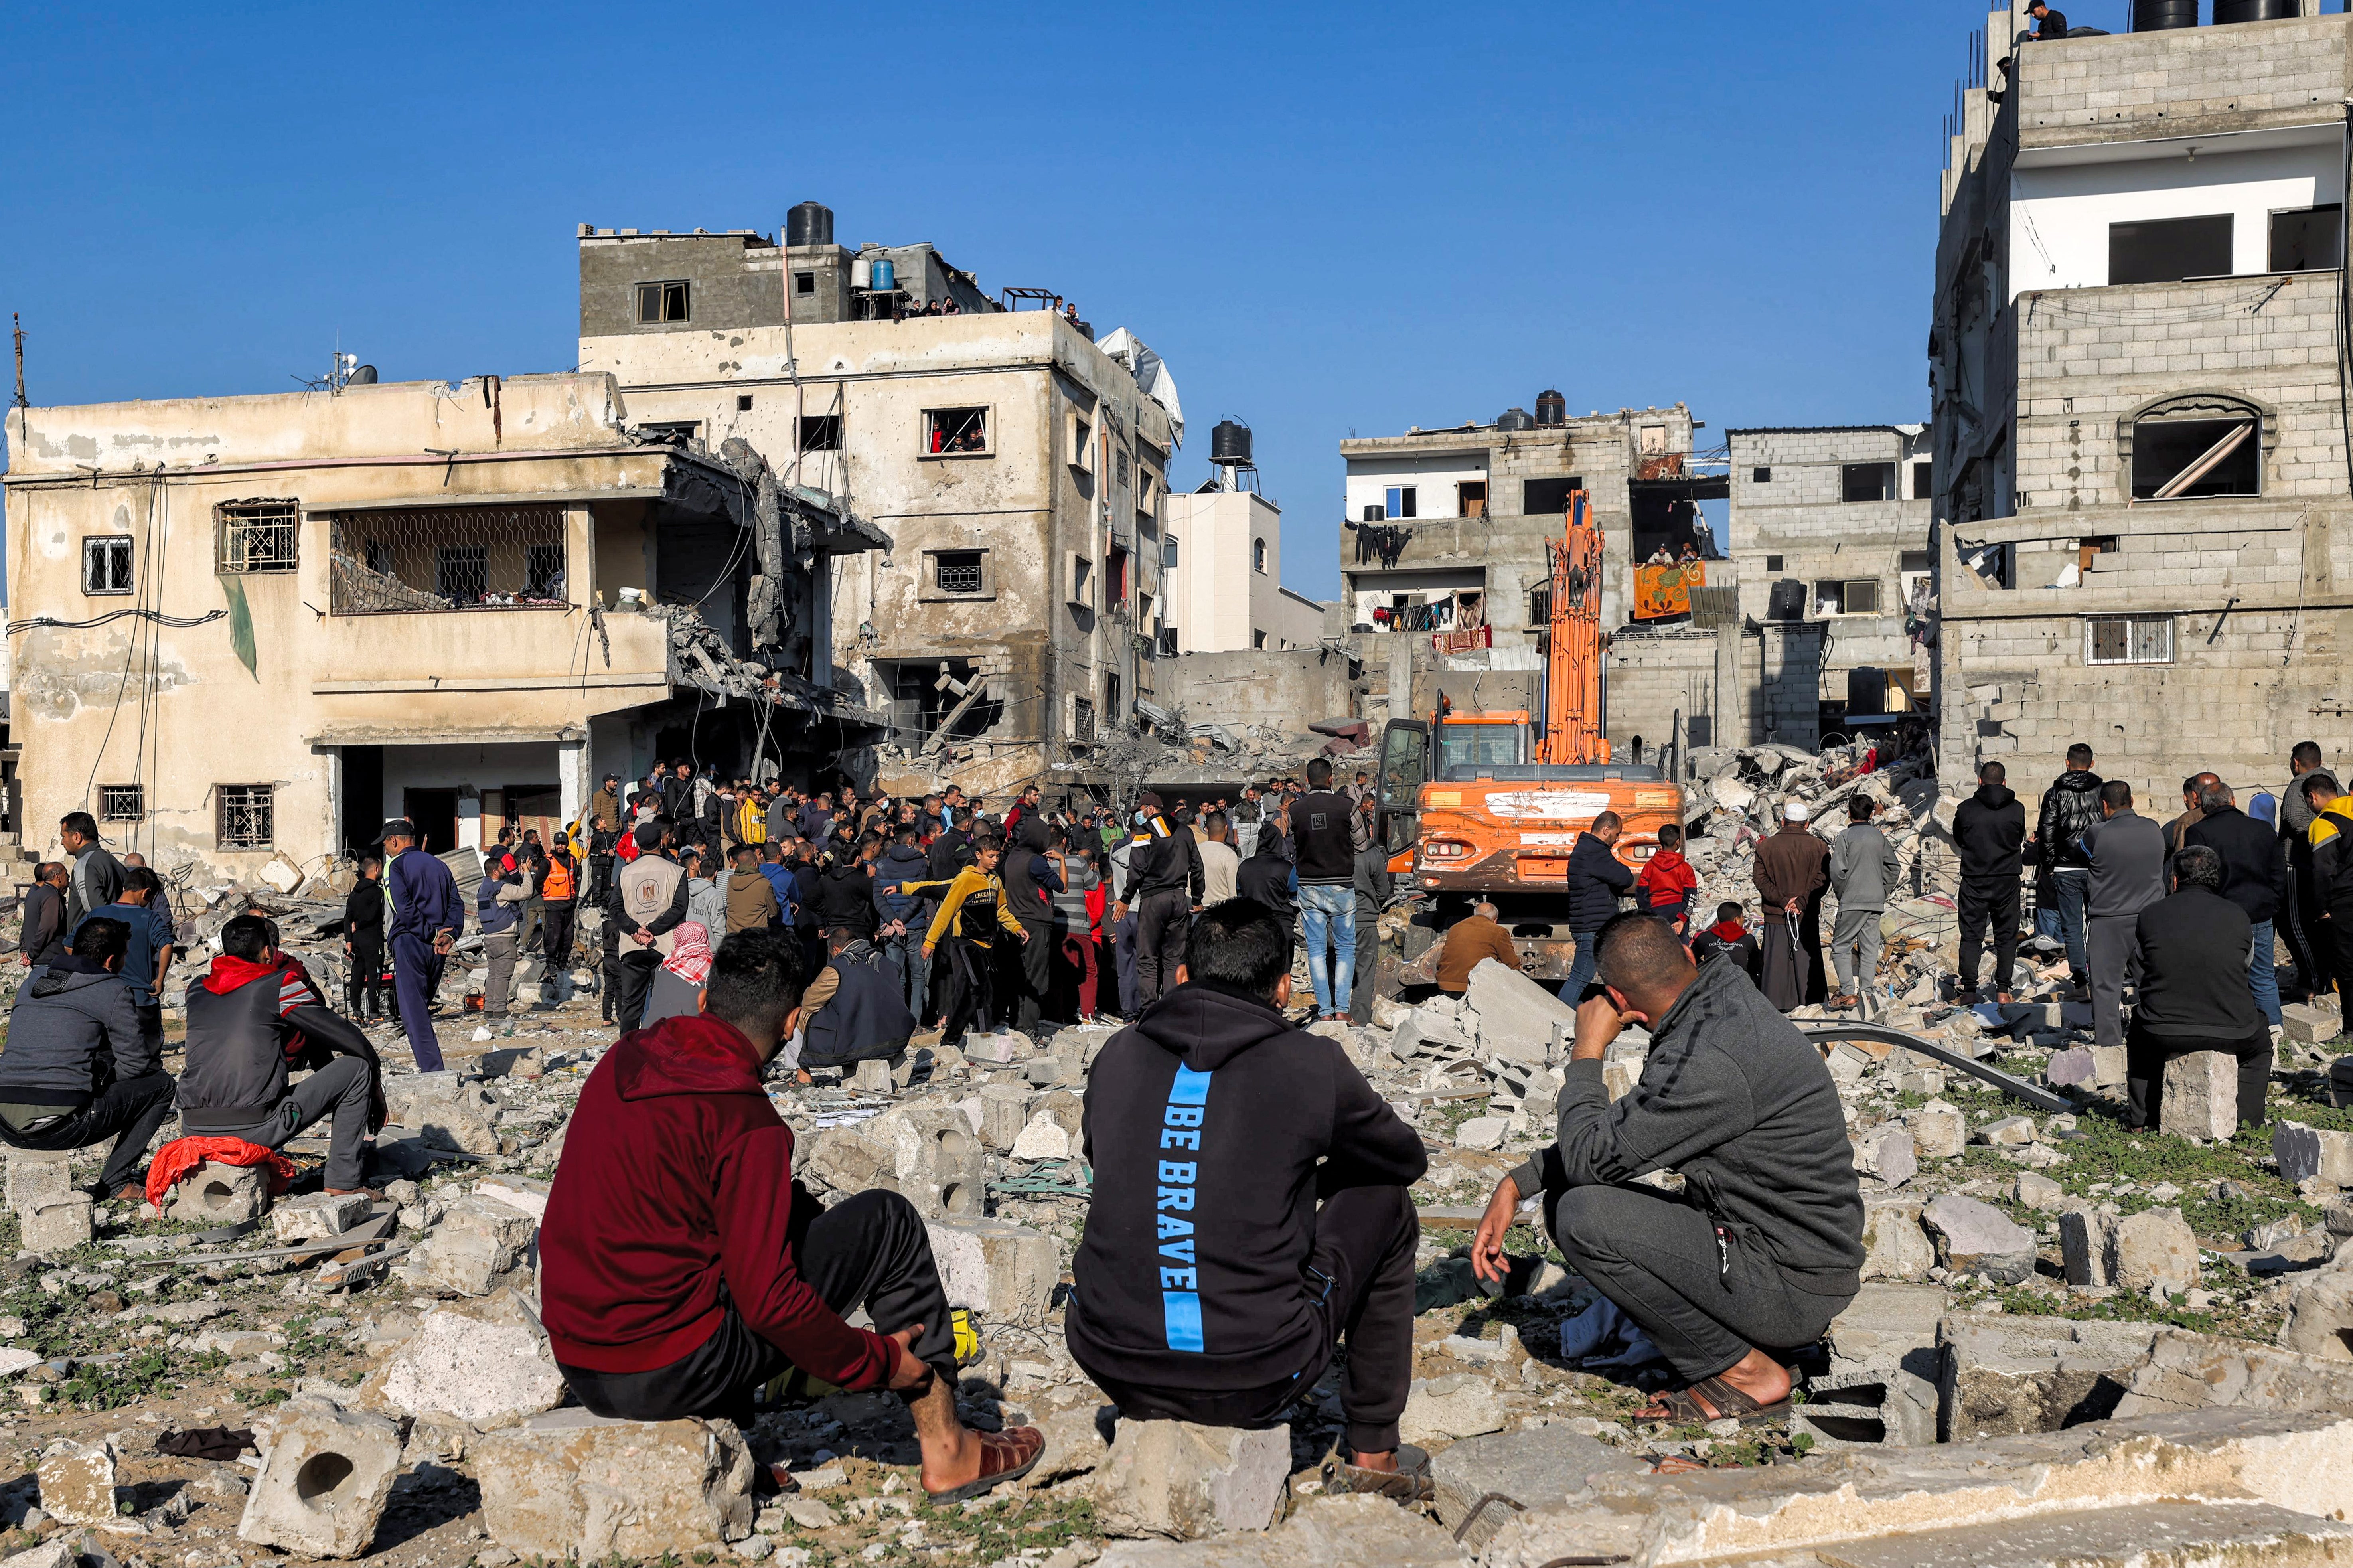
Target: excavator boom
1573, 667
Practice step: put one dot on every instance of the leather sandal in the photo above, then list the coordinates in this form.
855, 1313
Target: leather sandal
1409, 1483
1005, 1456
1731, 1404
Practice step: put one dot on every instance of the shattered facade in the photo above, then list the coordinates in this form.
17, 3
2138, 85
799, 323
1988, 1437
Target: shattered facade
2139, 386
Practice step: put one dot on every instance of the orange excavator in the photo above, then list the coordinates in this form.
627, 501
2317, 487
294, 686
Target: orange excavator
1483, 806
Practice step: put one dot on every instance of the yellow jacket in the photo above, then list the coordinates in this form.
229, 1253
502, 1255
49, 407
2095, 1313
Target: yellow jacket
2322, 829
971, 884
751, 820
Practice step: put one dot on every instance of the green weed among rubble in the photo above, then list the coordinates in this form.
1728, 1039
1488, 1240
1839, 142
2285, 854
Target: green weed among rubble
112, 1384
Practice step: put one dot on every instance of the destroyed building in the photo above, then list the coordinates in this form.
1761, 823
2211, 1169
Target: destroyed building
2138, 370
1831, 525
255, 627
1019, 468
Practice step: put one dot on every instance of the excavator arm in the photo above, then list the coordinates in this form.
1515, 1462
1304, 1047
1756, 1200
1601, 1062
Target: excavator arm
1573, 666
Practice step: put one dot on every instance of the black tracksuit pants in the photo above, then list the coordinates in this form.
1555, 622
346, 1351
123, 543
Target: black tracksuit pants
972, 988
1037, 960
870, 1250
1704, 1297
1163, 922
1359, 1280
1999, 904
369, 995
135, 1107
637, 970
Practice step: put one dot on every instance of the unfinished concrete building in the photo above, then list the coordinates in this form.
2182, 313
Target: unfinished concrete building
2139, 373
254, 628
1830, 532
1018, 467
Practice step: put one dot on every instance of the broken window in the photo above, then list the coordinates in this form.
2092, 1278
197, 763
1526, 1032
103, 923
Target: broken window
1082, 720
445, 557
2167, 250
1470, 498
1402, 500
930, 695
2089, 550
1916, 571
1786, 601
245, 819
1082, 445
958, 571
1924, 481
954, 432
106, 563
2128, 639
1167, 649
1547, 497
2197, 449
677, 432
821, 432
1867, 481
2307, 240
1258, 638
1760, 476
122, 802
1841, 596
1082, 580
1258, 555
256, 535
1654, 441
659, 302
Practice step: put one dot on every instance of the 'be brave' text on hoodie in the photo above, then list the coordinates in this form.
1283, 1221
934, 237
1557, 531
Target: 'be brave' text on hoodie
1204, 1124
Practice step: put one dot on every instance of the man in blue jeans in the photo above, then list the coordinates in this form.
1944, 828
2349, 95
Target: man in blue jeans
2071, 808
1596, 878
2254, 877
1327, 834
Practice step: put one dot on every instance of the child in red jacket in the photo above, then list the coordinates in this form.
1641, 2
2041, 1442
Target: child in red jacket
1667, 882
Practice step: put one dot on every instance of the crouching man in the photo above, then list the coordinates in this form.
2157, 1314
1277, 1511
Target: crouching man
253, 1018
79, 1068
682, 1267
1764, 1245
1210, 1288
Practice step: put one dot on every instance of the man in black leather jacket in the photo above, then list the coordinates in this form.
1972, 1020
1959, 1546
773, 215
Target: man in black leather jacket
2071, 807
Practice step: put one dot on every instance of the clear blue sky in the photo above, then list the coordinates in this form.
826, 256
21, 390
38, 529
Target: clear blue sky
1360, 219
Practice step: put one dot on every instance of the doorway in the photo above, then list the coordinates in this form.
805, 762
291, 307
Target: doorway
435, 813
362, 803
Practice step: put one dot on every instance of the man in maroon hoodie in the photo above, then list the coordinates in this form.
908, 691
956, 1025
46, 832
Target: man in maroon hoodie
683, 1267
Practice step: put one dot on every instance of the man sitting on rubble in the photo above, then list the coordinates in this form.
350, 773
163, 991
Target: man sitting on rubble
1764, 1246
2192, 994
683, 1267
1210, 1288
1476, 936
250, 1021
80, 1068
1729, 936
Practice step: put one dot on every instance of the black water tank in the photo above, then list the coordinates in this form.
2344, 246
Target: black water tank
810, 223
1229, 442
2156, 15
2253, 10
1551, 408
1866, 692
1515, 419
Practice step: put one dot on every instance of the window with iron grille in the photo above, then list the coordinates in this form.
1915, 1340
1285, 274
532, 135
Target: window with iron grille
256, 535
955, 432
958, 571
246, 817
122, 802
446, 557
1082, 719
106, 565
2128, 639
659, 302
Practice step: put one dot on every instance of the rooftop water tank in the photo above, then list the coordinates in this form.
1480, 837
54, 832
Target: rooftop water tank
1515, 419
2253, 10
1551, 408
885, 275
810, 223
2156, 15
1229, 444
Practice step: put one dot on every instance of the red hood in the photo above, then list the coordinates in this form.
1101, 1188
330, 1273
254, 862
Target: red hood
1729, 930
1671, 860
697, 1055
229, 973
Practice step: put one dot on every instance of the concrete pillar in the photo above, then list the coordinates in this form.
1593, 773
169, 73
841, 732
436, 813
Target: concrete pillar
1731, 708
572, 776
1400, 674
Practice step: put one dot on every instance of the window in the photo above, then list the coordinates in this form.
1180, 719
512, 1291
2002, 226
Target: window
1547, 497
1654, 441
1118, 564
742, 402
1168, 551
1786, 601
821, 432
1867, 481
1082, 445
462, 573
1082, 580
380, 556
659, 302
1403, 501
1082, 719
1858, 595
1760, 476
955, 432
1773, 562
2307, 240
1924, 480
256, 535
122, 802
957, 571
106, 563
804, 282
2167, 250
676, 432
1168, 643
2179, 457
1258, 556
244, 817
1915, 570
1470, 498
2091, 550
2128, 639
1258, 638
543, 571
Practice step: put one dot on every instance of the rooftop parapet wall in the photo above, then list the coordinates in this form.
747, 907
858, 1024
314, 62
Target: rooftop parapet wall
2184, 81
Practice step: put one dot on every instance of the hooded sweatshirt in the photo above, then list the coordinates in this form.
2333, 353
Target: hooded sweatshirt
1989, 829
1204, 1124
1030, 881
901, 864
674, 1198
249, 1023
72, 1034
845, 896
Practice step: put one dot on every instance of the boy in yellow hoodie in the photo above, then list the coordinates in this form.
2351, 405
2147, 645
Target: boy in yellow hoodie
974, 903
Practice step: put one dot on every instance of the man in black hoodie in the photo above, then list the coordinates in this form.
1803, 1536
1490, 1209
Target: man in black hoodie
1163, 886
1990, 831
1210, 1286
1030, 883
2071, 808
78, 1068
2254, 877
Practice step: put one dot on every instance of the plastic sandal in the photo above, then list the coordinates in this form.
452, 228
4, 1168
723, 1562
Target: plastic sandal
1005, 1456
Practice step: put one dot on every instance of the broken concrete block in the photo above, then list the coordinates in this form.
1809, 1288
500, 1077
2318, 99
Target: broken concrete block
323, 1483
924, 1150
569, 1484
1516, 1016
483, 1365
1462, 1404
317, 1215
2306, 1153
466, 1262
1045, 1138
217, 1194
1887, 1336
36, 1175
445, 1112
58, 1224
1175, 1479
2302, 1023
1894, 1245
1319, 1531
1427, 1032
1531, 1467
2152, 1249
1886, 1152
2086, 1242
2036, 1192
1004, 1112
2072, 1069
872, 1076
2320, 1316
78, 1484
1000, 1049
2003, 1375
1977, 1238
1004, 1271
1939, 1130
2196, 1371
1481, 1131
2200, 1097
2340, 1083
1078, 1441
2109, 1067
2009, 1132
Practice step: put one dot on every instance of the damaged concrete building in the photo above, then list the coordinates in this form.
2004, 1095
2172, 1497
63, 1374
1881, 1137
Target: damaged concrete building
1017, 466
252, 628
1829, 527
2138, 366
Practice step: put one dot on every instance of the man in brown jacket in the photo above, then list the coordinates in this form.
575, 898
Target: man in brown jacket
1791, 871
1471, 939
751, 896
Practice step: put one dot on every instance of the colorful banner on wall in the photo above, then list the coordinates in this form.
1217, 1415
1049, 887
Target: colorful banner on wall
1663, 591
1462, 639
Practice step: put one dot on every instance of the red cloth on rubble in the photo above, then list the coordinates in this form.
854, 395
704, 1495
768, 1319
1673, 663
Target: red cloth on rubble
181, 1155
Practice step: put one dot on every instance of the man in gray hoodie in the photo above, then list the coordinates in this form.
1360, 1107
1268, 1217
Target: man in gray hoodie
78, 1069
2127, 854
1863, 869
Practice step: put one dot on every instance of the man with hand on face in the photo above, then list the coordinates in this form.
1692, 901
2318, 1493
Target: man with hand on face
1764, 1245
